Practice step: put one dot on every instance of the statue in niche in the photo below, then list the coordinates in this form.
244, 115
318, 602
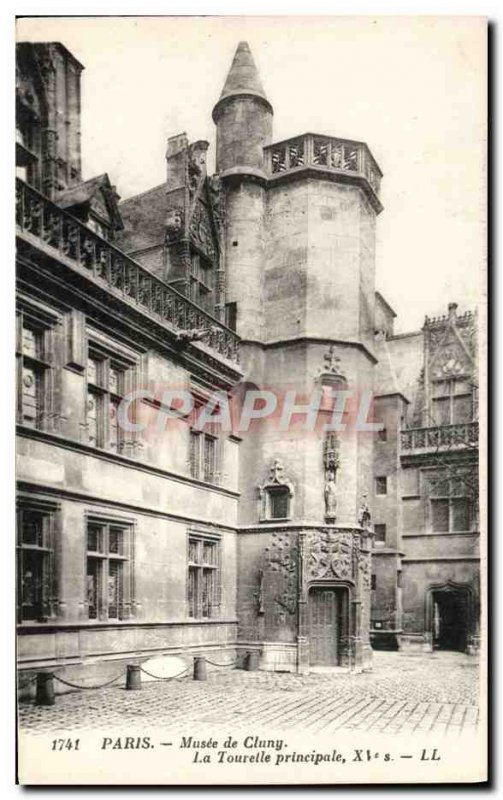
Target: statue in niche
330, 496
331, 462
364, 516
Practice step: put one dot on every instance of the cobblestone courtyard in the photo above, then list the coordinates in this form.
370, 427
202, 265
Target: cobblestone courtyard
404, 693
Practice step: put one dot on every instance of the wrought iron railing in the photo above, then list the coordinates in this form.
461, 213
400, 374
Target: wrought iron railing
442, 437
37, 216
339, 155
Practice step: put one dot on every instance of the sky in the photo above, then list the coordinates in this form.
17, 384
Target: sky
413, 88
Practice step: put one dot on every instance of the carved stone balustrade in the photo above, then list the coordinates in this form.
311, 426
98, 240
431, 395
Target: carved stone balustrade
441, 438
37, 216
341, 157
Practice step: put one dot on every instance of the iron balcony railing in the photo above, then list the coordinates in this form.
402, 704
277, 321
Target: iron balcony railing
443, 437
337, 155
37, 216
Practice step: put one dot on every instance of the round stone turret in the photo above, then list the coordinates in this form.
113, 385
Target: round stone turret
243, 116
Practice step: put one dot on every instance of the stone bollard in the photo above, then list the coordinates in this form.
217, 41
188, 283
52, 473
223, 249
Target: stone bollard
45, 689
200, 668
133, 677
251, 661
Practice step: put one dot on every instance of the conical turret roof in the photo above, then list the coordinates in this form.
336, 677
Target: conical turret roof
243, 77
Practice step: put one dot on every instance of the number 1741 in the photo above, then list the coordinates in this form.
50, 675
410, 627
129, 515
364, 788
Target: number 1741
65, 744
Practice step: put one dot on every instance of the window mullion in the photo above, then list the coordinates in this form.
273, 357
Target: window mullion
105, 563
201, 456
198, 592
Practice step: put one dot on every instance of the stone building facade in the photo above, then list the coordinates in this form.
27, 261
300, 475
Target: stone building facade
426, 558
167, 536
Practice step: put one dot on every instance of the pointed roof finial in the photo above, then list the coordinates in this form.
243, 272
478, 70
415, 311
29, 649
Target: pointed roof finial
243, 78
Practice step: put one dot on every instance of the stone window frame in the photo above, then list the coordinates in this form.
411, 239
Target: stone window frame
45, 323
273, 484
200, 469
126, 362
381, 485
448, 498
103, 556
199, 568
450, 395
197, 280
47, 552
197, 444
382, 526
382, 435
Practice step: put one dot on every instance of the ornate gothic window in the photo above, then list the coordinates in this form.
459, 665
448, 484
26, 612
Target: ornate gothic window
276, 495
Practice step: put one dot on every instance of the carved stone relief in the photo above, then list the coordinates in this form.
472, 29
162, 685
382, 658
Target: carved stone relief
364, 567
201, 231
331, 367
282, 569
329, 555
174, 222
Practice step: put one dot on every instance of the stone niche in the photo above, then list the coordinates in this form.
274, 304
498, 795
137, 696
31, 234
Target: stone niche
302, 570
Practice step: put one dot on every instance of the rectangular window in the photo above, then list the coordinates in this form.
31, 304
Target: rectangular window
442, 411
452, 402
231, 315
460, 513
462, 409
202, 282
203, 576
35, 563
440, 515
373, 582
204, 457
106, 378
381, 485
279, 502
452, 502
209, 458
33, 369
109, 570
382, 435
380, 532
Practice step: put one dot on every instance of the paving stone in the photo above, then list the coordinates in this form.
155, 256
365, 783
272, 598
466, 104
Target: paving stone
436, 692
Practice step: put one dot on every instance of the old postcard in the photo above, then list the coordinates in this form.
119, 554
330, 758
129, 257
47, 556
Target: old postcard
251, 395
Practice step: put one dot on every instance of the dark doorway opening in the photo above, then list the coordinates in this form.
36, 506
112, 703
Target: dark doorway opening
450, 619
328, 625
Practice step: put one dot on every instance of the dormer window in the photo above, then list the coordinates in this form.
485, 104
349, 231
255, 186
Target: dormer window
452, 401
98, 227
202, 282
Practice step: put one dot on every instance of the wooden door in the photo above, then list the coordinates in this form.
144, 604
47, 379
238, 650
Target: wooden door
450, 620
323, 627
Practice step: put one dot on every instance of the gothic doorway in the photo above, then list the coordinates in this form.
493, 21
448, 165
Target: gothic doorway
450, 618
327, 607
